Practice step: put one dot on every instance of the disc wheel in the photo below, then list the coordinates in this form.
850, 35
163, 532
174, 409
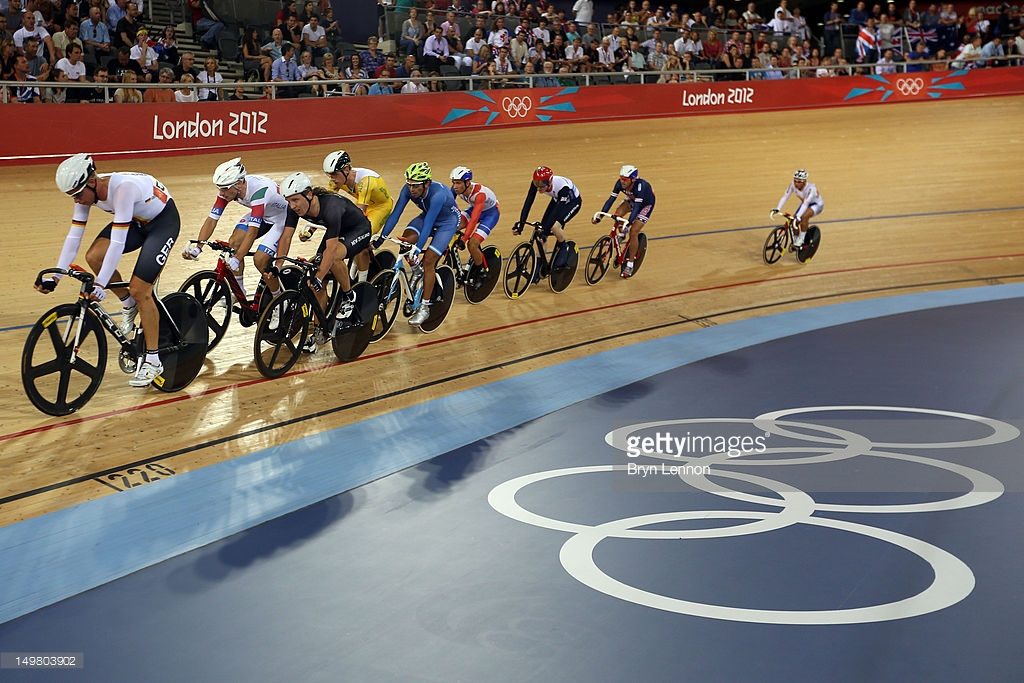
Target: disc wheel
776, 244
481, 290
184, 340
388, 304
54, 383
562, 277
280, 333
519, 270
641, 252
810, 246
599, 261
441, 301
215, 298
352, 334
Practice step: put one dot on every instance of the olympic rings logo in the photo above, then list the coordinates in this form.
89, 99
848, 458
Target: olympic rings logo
953, 579
517, 107
910, 86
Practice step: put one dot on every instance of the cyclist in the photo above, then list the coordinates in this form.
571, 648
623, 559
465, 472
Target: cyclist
438, 220
565, 203
346, 232
479, 218
811, 203
639, 204
144, 218
264, 221
367, 189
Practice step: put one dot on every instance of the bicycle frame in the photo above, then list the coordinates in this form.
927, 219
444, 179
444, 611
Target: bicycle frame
618, 234
404, 280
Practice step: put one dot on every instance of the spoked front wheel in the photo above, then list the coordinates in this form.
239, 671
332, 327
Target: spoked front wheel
776, 244
281, 330
519, 271
54, 383
599, 261
215, 297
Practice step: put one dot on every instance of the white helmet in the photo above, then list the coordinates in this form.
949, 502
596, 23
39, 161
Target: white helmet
296, 183
74, 172
229, 173
800, 174
463, 173
335, 161
631, 172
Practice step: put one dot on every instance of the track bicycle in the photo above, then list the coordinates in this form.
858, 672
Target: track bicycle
780, 240
401, 289
612, 248
467, 276
529, 263
65, 353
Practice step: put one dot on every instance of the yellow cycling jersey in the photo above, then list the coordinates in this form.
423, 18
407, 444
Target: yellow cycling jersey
370, 191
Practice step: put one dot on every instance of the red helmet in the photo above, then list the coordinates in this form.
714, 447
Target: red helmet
542, 175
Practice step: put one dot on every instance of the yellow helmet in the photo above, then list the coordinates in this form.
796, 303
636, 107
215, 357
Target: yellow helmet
417, 173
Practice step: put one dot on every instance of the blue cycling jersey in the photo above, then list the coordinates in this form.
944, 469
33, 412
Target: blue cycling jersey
437, 208
641, 194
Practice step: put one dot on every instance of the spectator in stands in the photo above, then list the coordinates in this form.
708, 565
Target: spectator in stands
253, 58
31, 29
27, 93
210, 75
408, 66
381, 88
389, 69
308, 71
584, 11
37, 64
292, 30
1018, 45
62, 40
482, 59
887, 34
918, 54
330, 25
165, 77
833, 23
713, 49
5, 33
7, 58
499, 36
993, 48
576, 57
186, 93
187, 66
331, 73
100, 77
121, 63
413, 33
167, 46
548, 79
128, 95
273, 48
285, 70
146, 56
969, 55
118, 10
238, 94
414, 87
449, 27
773, 73
859, 14
886, 64
128, 27
288, 8
355, 71
941, 63
73, 69
503, 64
206, 23
314, 37
308, 10
372, 58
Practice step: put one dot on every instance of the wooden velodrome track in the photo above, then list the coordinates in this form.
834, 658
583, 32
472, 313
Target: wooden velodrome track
924, 196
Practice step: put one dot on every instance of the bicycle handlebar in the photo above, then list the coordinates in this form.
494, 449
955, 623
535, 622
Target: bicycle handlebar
614, 217
86, 278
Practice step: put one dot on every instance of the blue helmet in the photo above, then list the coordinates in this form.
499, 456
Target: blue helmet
463, 173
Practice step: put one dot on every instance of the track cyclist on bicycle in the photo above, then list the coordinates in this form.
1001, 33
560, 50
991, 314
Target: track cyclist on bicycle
346, 232
479, 218
265, 220
145, 218
811, 203
438, 220
367, 189
639, 204
565, 204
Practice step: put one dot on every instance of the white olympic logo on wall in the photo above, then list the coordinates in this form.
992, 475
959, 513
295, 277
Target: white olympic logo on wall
910, 86
517, 107
953, 580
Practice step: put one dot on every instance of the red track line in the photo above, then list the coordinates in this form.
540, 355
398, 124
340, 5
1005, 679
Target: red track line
467, 335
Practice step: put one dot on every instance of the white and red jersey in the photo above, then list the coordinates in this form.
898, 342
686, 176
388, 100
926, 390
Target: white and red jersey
808, 196
130, 196
558, 183
479, 195
263, 199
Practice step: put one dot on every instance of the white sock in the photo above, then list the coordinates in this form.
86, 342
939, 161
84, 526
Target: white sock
362, 275
241, 283
799, 240
152, 357
128, 301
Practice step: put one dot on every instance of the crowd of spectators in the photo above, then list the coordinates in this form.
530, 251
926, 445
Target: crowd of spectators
501, 43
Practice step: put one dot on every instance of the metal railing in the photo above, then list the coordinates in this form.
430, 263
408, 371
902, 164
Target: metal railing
352, 87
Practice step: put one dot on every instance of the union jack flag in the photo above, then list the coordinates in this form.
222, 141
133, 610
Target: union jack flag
867, 42
919, 35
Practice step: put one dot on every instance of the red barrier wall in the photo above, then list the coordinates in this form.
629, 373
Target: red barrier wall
137, 129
